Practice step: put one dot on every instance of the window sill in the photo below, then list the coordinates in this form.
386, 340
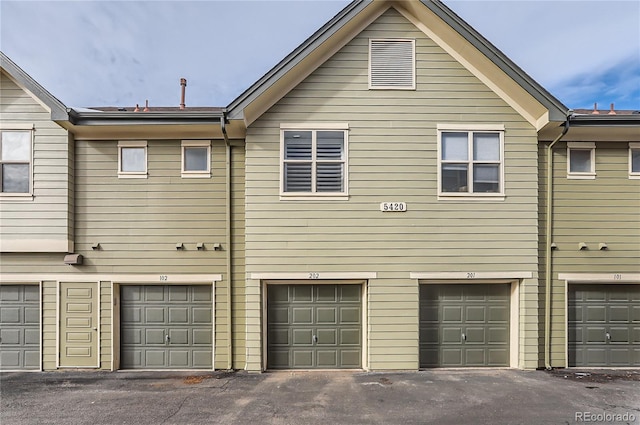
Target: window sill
634, 176
196, 175
16, 197
474, 197
132, 176
585, 176
314, 197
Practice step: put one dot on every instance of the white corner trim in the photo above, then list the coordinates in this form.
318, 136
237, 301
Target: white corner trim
313, 276
470, 275
600, 277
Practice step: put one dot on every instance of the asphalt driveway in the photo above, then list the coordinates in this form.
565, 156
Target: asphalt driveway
439, 396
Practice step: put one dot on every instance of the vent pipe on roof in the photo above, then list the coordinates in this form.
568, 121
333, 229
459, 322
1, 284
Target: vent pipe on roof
183, 86
612, 110
595, 109
146, 106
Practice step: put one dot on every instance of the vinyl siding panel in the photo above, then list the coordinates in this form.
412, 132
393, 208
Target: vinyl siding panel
393, 157
603, 210
52, 173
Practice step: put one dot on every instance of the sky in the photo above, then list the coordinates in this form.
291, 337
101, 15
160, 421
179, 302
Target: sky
121, 53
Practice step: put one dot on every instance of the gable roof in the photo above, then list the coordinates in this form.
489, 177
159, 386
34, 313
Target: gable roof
438, 22
58, 109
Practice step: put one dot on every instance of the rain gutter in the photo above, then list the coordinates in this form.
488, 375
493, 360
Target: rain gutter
228, 242
548, 253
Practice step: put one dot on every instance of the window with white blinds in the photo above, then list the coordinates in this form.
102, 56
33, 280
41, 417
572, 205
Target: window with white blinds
314, 161
392, 64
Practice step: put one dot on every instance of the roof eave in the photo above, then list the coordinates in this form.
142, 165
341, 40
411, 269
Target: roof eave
557, 110
593, 120
97, 118
57, 108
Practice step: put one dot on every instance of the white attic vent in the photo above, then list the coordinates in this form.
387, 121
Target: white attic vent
392, 64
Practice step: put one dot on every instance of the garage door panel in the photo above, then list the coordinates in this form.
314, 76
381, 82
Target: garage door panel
202, 337
165, 326
179, 315
11, 336
10, 315
201, 315
302, 315
473, 322
327, 359
325, 320
326, 316
350, 337
178, 336
302, 336
602, 330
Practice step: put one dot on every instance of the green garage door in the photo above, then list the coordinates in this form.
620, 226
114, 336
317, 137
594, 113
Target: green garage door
464, 325
604, 325
166, 327
19, 327
314, 326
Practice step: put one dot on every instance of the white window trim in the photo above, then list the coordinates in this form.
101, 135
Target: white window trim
196, 144
30, 127
132, 174
591, 146
314, 196
413, 70
471, 196
633, 146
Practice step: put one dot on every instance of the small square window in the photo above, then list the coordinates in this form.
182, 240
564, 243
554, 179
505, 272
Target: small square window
15, 161
634, 160
581, 160
196, 158
132, 159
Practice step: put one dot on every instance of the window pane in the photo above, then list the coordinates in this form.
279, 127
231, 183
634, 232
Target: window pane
486, 147
133, 159
297, 145
329, 177
297, 177
580, 161
196, 159
635, 161
330, 144
15, 178
455, 147
454, 178
16, 146
486, 178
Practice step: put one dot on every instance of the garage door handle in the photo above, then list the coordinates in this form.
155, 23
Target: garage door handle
167, 338
608, 335
464, 337
315, 339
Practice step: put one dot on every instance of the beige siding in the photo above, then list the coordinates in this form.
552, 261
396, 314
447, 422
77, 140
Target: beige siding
49, 215
393, 157
603, 210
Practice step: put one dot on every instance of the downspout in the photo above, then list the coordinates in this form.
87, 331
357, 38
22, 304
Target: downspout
548, 254
228, 242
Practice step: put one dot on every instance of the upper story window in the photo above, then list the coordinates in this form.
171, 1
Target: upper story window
581, 160
15, 160
470, 161
634, 160
392, 64
132, 159
196, 158
314, 160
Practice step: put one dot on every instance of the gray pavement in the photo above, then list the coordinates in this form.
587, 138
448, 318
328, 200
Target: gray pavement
437, 396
